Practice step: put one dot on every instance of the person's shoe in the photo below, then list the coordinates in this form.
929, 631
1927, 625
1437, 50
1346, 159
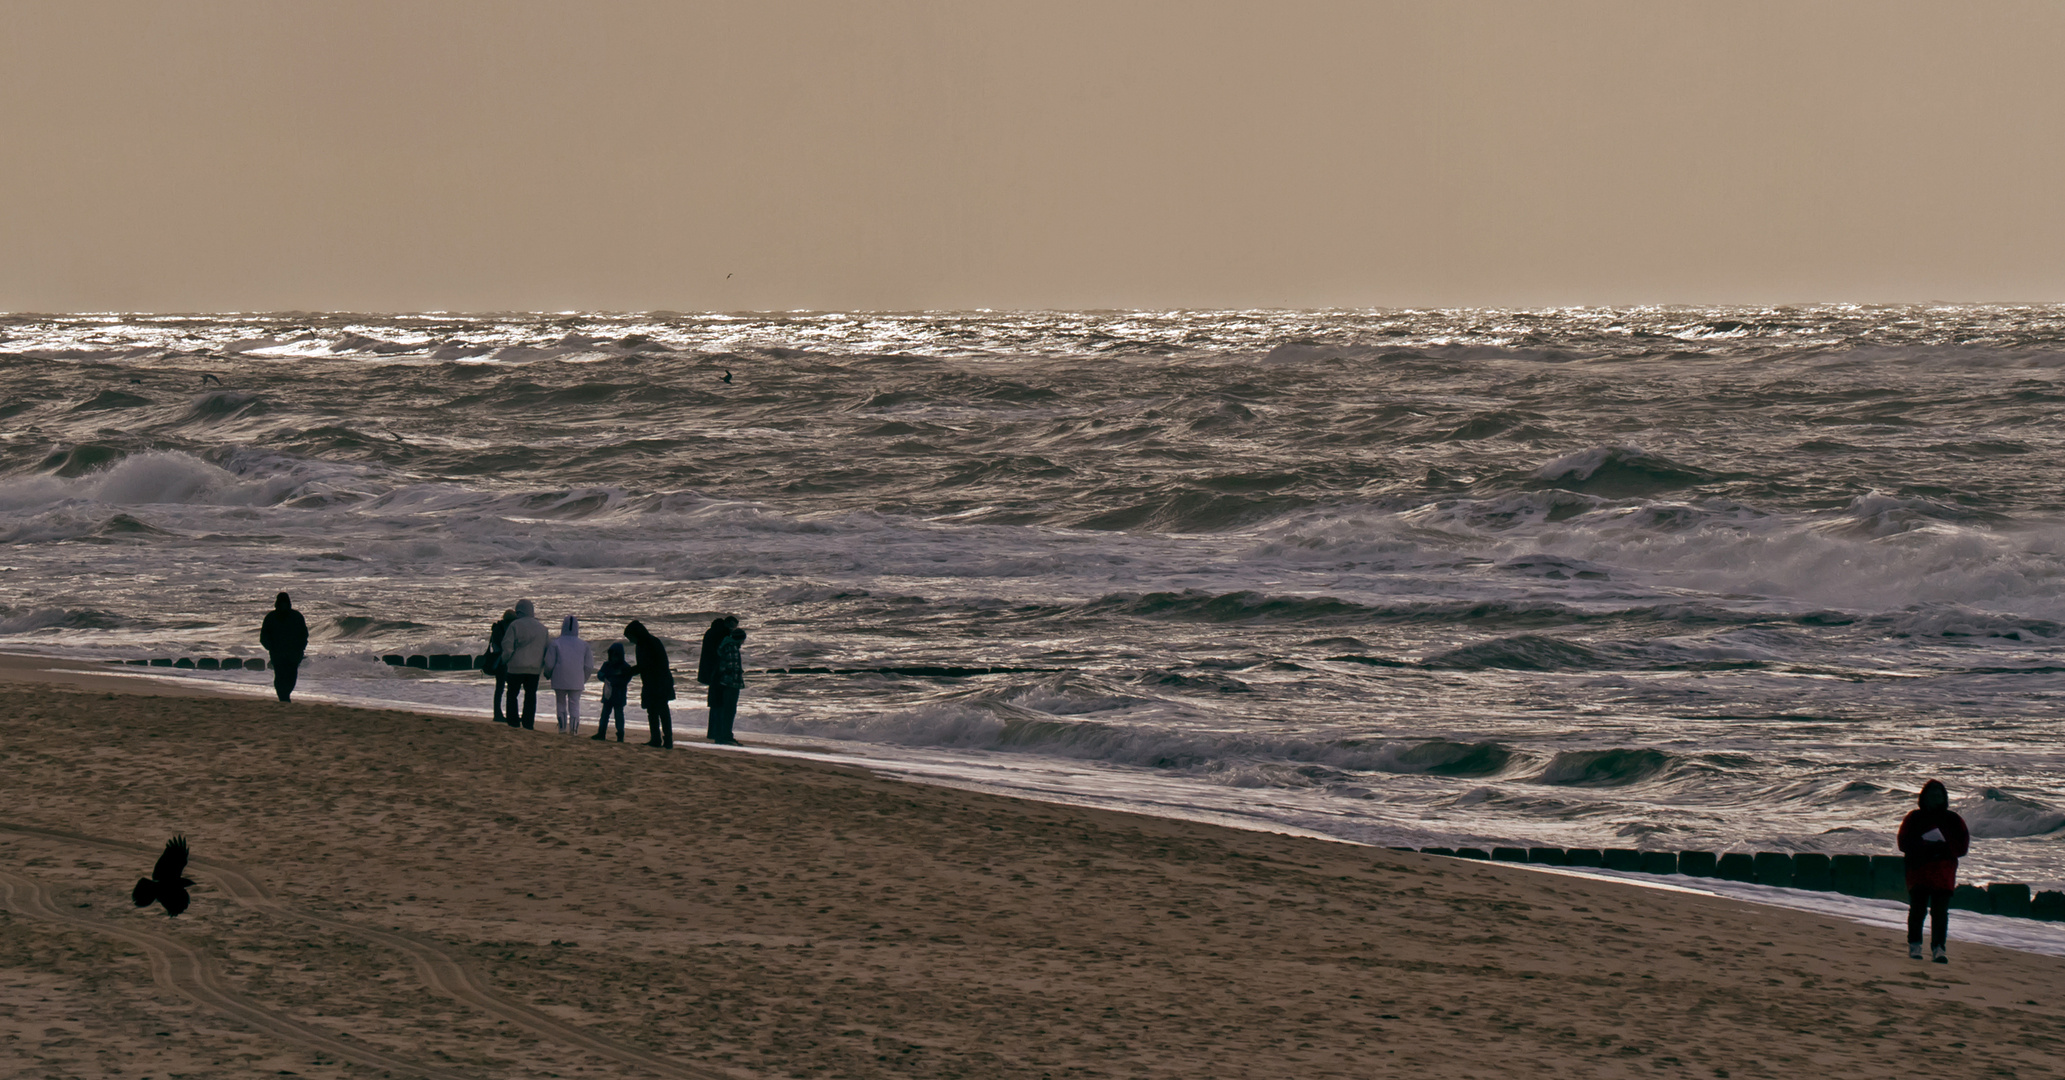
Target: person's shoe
1914, 950
670, 743
601, 735
1941, 956
655, 744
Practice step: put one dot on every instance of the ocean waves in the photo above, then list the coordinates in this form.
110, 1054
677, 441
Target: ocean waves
1566, 576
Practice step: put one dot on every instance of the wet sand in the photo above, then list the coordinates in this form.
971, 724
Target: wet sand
390, 893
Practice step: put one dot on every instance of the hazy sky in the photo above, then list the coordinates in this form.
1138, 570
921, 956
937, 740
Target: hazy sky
495, 154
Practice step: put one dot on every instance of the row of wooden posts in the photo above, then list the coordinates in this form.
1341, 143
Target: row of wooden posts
1882, 877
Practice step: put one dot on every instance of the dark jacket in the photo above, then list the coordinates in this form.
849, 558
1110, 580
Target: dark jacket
706, 661
492, 661
615, 676
731, 663
655, 679
284, 632
1932, 864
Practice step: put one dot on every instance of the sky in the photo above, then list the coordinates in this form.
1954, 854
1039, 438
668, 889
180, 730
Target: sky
364, 155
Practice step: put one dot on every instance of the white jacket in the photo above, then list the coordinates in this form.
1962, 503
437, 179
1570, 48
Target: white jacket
569, 660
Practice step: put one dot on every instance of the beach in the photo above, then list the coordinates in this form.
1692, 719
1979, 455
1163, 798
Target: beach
383, 891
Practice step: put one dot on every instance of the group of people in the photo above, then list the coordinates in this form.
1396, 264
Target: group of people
520, 653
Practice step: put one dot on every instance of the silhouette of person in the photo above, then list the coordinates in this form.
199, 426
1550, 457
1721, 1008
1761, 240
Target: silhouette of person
706, 664
655, 684
1933, 838
724, 691
284, 637
523, 657
615, 675
492, 661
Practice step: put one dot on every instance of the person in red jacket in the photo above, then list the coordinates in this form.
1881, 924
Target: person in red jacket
1933, 838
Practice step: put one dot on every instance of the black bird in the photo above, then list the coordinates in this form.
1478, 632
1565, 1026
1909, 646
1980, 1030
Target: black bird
165, 885
207, 378
727, 377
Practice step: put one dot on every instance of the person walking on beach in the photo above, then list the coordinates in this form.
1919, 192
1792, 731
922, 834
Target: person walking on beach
523, 658
724, 693
1933, 837
569, 661
616, 690
284, 637
491, 662
655, 684
706, 663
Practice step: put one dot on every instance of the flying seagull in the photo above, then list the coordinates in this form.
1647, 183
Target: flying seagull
207, 378
165, 885
727, 377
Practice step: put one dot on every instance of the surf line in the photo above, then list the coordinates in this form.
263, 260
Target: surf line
440, 971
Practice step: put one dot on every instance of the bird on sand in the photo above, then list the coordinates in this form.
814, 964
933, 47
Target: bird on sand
165, 885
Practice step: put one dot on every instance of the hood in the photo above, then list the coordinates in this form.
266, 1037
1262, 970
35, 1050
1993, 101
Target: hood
738, 635
570, 627
616, 650
1934, 796
281, 603
524, 610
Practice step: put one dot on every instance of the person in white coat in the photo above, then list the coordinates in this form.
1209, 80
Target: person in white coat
523, 657
569, 661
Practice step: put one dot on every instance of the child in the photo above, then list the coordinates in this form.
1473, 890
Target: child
616, 690
1932, 837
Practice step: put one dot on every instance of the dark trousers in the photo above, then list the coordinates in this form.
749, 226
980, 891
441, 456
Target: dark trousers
501, 687
527, 687
660, 719
724, 708
602, 723
286, 671
1931, 902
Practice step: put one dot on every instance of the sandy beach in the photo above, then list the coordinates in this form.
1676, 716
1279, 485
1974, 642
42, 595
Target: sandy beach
391, 893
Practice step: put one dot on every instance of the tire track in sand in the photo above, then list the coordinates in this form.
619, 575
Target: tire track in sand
441, 971
187, 971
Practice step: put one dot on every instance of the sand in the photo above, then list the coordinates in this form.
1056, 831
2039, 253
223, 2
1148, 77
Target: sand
384, 893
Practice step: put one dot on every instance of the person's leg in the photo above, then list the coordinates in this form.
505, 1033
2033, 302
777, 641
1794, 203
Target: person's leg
602, 722
501, 688
573, 712
1939, 920
652, 727
512, 701
280, 685
1917, 907
621, 705
723, 712
530, 702
559, 708
710, 701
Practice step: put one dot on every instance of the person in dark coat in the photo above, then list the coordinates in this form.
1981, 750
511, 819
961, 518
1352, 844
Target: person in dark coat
491, 662
655, 684
615, 676
706, 663
1933, 838
724, 692
284, 637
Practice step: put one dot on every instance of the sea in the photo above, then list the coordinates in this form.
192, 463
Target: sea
1669, 578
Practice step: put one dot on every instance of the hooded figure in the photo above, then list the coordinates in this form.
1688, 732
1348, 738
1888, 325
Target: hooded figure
706, 660
655, 683
616, 686
569, 661
523, 658
730, 678
284, 637
491, 661
1933, 837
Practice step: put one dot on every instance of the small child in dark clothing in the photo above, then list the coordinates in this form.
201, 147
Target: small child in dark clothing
615, 676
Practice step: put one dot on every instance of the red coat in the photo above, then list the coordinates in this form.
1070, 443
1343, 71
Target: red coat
1932, 864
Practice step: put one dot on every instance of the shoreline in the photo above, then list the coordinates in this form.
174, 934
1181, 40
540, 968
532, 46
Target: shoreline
752, 914
2020, 934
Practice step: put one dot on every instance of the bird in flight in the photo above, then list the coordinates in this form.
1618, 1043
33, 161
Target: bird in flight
165, 885
207, 378
727, 377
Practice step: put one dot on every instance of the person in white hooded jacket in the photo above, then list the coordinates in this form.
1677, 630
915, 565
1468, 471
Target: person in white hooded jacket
569, 660
523, 657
